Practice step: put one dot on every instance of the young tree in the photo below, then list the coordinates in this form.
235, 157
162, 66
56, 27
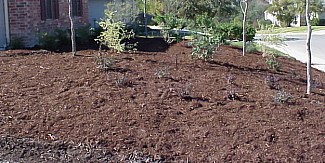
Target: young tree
145, 17
244, 6
73, 38
309, 31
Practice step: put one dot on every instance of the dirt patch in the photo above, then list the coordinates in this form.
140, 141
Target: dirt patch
157, 106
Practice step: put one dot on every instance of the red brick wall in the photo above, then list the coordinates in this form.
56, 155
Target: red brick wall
25, 19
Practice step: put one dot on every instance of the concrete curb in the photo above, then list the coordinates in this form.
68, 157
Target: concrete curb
317, 63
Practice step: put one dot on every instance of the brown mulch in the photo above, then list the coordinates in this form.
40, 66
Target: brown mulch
158, 106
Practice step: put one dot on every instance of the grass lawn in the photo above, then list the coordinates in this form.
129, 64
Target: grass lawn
292, 29
255, 47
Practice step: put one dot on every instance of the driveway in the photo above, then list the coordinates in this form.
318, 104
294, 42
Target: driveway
296, 47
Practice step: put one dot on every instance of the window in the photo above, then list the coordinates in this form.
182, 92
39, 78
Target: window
49, 9
77, 7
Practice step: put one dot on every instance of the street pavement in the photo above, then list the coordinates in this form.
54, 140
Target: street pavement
295, 46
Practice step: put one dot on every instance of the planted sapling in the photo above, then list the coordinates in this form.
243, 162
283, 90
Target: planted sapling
282, 97
104, 63
161, 73
123, 82
231, 92
271, 81
273, 63
186, 93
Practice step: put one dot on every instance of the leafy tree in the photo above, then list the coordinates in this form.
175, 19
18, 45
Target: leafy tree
256, 10
221, 10
152, 6
284, 10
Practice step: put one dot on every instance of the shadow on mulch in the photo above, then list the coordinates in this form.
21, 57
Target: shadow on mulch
151, 44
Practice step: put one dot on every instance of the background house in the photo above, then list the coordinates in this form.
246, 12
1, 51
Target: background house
299, 20
26, 19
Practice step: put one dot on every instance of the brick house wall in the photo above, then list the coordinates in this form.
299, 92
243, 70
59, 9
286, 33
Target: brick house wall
26, 24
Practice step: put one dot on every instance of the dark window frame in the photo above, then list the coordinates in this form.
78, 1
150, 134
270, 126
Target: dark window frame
49, 9
77, 8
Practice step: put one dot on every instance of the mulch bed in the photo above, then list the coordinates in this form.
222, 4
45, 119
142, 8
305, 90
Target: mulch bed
158, 105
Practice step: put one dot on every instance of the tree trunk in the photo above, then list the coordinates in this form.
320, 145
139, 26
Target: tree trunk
73, 38
145, 17
243, 6
309, 31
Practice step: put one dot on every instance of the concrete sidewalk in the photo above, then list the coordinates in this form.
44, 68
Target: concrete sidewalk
301, 56
300, 53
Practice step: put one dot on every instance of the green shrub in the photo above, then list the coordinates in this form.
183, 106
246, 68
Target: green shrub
282, 97
264, 24
315, 21
273, 63
171, 26
162, 73
233, 31
272, 82
206, 42
204, 46
83, 35
252, 48
123, 82
114, 33
104, 63
54, 41
16, 43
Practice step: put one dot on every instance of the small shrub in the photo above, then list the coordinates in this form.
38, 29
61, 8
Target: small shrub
315, 21
161, 73
48, 41
16, 43
271, 82
83, 35
54, 41
282, 97
205, 44
252, 48
231, 79
293, 73
233, 31
264, 24
123, 82
273, 63
171, 26
204, 47
95, 32
317, 84
114, 33
186, 90
131, 47
232, 95
104, 63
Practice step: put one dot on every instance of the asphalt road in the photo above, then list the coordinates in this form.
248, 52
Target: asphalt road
296, 47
